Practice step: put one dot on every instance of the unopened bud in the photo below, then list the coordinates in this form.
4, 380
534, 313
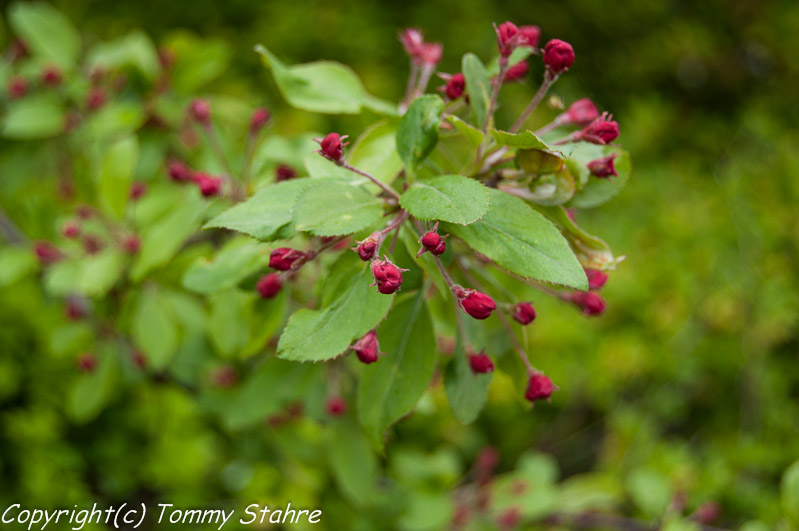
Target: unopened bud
603, 130
284, 258
539, 387
481, 363
588, 302
596, 279
507, 38
558, 56
603, 167
269, 285
367, 248
260, 117
332, 146
367, 348
86, 362
524, 313
17, 87
284, 172
336, 406
200, 111
388, 277
477, 304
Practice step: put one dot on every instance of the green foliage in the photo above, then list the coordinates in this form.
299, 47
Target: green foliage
417, 135
451, 198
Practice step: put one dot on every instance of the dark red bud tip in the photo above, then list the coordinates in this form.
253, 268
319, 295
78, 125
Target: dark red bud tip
524, 313
260, 117
51, 76
269, 285
284, 172
336, 406
388, 277
137, 190
332, 146
284, 258
481, 363
225, 377
367, 348
209, 186
581, 112
47, 253
604, 167
96, 98
588, 302
540, 387
17, 87
200, 111
507, 38
516, 73
477, 304
530, 35
131, 244
596, 279
71, 229
558, 56
86, 362
179, 172
367, 248
455, 86
603, 130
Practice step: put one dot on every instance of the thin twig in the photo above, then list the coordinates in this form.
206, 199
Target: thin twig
387, 189
542, 90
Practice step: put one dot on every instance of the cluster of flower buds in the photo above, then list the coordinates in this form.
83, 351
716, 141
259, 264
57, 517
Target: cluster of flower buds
285, 258
367, 348
510, 36
388, 277
420, 52
477, 304
433, 242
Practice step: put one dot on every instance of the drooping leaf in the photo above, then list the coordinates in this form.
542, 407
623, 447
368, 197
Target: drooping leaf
522, 241
47, 32
154, 328
37, 116
417, 135
452, 198
467, 392
390, 388
116, 174
592, 252
523, 140
478, 85
235, 261
332, 207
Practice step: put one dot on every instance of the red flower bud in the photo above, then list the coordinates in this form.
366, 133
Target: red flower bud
179, 171
603, 130
431, 53
131, 244
539, 387
284, 258
524, 313
477, 304
200, 111
71, 229
481, 363
440, 248
17, 87
367, 248
51, 76
92, 244
388, 277
581, 112
47, 253
516, 73
603, 168
589, 302
596, 279
332, 146
96, 98
367, 348
558, 56
209, 186
412, 41
269, 285
284, 172
260, 117
455, 86
137, 190
507, 37
336, 406
224, 377
530, 35
86, 362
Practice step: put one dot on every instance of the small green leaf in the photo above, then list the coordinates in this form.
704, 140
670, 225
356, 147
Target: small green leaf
472, 134
390, 388
789, 493
47, 32
478, 85
198, 61
116, 174
115, 118
452, 198
154, 328
522, 241
316, 335
237, 260
524, 140
417, 135
229, 321
467, 392
37, 116
332, 207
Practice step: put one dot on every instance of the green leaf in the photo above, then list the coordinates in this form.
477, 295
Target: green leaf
37, 116
267, 214
316, 335
417, 135
332, 207
229, 321
598, 191
789, 493
99, 272
472, 134
452, 198
650, 491
427, 511
596, 491
467, 392
115, 118
15, 264
551, 189
91, 392
592, 252
524, 140
116, 174
47, 32
522, 241
478, 85
237, 260
154, 328
390, 388
375, 152
353, 462
135, 50
198, 61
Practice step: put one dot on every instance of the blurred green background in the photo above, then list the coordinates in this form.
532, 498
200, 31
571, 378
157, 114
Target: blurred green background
688, 384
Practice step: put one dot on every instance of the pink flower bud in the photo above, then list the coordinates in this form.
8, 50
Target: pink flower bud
332, 146
209, 186
477, 304
433, 242
269, 285
431, 53
17, 87
516, 73
481, 363
388, 277
603, 130
284, 172
137, 190
507, 38
558, 56
225, 377
131, 244
284, 258
71, 229
524, 313
530, 35
96, 98
336, 406
367, 248
179, 171
367, 348
92, 244
412, 41
603, 168
590, 303
596, 279
581, 112
200, 111
47, 253
86, 362
260, 117
51, 76
539, 387
455, 86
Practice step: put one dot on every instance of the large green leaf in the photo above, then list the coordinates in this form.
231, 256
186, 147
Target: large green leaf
332, 207
452, 198
467, 392
353, 310
390, 388
267, 214
154, 328
375, 152
47, 32
417, 135
116, 174
37, 116
238, 259
478, 85
471, 133
522, 241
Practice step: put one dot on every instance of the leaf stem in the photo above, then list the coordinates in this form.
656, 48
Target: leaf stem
542, 90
